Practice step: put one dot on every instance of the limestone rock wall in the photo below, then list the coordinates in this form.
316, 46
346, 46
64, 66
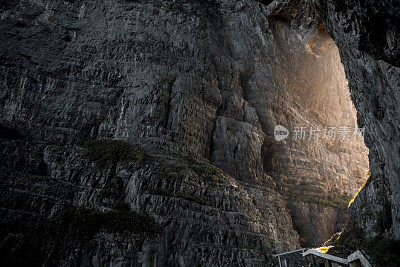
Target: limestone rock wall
182, 80
292, 75
194, 220
367, 35
161, 76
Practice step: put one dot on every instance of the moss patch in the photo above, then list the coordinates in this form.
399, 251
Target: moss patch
205, 170
179, 167
107, 152
339, 201
336, 201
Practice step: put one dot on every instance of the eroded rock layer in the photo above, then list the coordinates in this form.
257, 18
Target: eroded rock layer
190, 83
324, 160
367, 34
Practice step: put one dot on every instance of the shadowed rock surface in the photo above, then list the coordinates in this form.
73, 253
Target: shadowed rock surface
367, 34
156, 75
189, 83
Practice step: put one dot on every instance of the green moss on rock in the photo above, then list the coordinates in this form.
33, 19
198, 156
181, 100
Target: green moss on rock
205, 170
108, 152
180, 167
337, 201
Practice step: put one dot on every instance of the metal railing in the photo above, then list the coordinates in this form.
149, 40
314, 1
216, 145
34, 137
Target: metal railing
298, 257
283, 257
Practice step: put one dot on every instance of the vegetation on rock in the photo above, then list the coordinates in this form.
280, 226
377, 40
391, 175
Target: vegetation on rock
205, 170
178, 167
108, 152
337, 201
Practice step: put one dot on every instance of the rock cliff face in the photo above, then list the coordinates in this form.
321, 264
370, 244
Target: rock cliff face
367, 34
324, 160
189, 83
160, 76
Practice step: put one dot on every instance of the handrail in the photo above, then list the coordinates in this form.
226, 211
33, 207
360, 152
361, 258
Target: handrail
357, 255
326, 256
289, 252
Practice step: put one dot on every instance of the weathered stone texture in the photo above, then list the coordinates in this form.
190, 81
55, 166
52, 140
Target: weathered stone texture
189, 80
367, 34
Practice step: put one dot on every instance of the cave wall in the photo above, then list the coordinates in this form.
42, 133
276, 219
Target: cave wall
179, 79
295, 78
161, 76
367, 34
312, 92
